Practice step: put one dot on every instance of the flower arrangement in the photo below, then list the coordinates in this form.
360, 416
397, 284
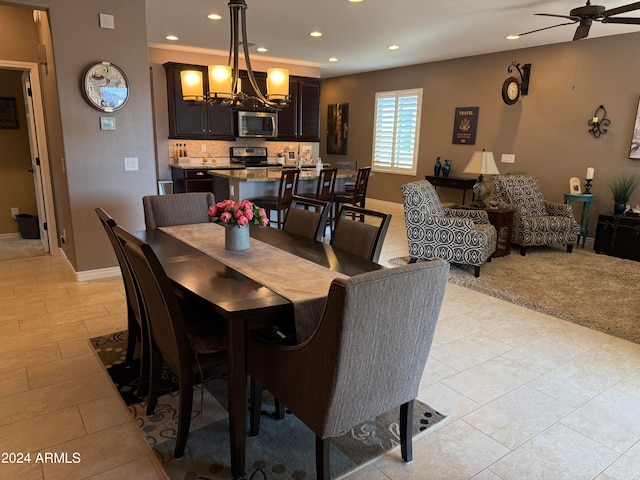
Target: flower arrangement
279, 153
238, 214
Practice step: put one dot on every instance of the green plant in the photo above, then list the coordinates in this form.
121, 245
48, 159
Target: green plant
623, 186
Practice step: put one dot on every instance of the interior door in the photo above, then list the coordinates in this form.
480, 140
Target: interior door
35, 161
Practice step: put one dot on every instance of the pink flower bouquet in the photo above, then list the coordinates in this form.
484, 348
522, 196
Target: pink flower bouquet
230, 213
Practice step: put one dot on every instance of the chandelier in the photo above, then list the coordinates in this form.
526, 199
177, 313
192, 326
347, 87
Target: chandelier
224, 82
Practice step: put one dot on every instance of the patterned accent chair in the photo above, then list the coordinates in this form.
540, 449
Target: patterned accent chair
456, 235
536, 221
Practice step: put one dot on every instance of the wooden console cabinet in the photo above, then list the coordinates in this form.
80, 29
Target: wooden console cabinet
618, 235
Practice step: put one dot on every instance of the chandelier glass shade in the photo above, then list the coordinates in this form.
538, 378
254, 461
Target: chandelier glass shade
225, 86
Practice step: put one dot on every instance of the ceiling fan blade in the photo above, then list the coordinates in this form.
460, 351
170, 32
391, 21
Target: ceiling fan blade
545, 28
582, 31
558, 16
623, 20
624, 9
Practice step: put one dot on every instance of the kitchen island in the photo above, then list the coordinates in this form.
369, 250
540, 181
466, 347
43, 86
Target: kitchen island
260, 182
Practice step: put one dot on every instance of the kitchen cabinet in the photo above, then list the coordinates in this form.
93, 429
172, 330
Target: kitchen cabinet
300, 121
191, 180
247, 88
187, 121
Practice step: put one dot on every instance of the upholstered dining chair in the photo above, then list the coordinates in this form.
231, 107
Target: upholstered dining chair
356, 196
459, 236
358, 237
307, 217
195, 349
536, 221
136, 318
376, 330
176, 209
287, 188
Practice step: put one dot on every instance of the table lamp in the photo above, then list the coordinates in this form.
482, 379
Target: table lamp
481, 163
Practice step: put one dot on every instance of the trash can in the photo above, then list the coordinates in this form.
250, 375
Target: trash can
28, 225
165, 187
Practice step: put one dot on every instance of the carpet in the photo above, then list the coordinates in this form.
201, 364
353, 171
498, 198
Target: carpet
589, 289
16, 247
285, 449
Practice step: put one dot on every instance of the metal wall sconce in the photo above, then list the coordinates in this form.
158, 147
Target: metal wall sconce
598, 122
525, 74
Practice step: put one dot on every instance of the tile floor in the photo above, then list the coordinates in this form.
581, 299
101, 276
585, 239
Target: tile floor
527, 395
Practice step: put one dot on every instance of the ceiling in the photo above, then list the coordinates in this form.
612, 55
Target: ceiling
358, 34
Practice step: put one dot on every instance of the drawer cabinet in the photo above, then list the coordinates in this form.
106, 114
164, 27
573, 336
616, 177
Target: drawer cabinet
618, 235
191, 180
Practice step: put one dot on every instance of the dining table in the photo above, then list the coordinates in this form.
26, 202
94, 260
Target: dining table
248, 290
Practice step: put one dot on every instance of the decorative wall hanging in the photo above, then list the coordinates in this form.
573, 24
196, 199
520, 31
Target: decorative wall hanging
635, 140
105, 86
465, 125
8, 113
337, 128
598, 122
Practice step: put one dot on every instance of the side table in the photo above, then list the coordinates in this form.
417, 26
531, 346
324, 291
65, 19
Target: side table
587, 201
463, 184
502, 219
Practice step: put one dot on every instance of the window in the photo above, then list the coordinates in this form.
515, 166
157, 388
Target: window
395, 139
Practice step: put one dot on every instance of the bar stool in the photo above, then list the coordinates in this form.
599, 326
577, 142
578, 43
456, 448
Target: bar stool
280, 203
356, 198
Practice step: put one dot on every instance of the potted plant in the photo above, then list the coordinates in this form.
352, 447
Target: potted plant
621, 189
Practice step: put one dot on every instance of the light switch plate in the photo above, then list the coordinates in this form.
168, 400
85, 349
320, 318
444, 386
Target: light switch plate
508, 158
107, 21
130, 164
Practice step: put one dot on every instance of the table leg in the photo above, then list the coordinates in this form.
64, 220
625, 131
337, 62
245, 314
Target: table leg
237, 388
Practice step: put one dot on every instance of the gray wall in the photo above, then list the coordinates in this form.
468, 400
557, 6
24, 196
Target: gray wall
547, 130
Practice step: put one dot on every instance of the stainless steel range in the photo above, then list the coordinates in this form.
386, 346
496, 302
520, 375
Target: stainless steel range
248, 156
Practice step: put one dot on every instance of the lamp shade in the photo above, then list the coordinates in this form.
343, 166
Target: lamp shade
277, 83
191, 81
482, 163
220, 80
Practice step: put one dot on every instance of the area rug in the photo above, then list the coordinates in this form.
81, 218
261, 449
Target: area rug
593, 290
285, 449
17, 247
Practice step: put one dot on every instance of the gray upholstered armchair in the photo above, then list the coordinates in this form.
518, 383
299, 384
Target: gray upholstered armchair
459, 236
366, 356
536, 221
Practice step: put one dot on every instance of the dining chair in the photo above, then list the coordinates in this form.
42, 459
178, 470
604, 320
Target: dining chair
325, 186
366, 356
176, 209
307, 217
287, 188
356, 196
193, 350
358, 237
137, 332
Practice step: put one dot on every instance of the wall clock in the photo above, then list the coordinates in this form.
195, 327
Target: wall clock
510, 90
105, 86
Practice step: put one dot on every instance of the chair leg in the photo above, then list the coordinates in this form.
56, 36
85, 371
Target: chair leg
569, 247
523, 250
255, 408
184, 415
279, 410
133, 335
322, 458
154, 382
476, 271
406, 433
145, 367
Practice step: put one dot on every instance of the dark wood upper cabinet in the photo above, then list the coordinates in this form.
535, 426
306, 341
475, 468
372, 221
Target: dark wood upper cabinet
300, 121
187, 121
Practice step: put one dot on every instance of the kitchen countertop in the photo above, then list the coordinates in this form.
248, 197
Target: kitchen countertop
268, 174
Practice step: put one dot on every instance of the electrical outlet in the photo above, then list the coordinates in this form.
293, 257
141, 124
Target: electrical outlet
203, 148
63, 237
15, 211
131, 164
232, 190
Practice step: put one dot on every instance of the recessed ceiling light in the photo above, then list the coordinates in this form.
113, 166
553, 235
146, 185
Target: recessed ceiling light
393, 47
261, 49
355, 1
334, 59
512, 37
316, 34
214, 16
171, 37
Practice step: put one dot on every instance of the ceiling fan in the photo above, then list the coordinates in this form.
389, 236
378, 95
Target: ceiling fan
588, 14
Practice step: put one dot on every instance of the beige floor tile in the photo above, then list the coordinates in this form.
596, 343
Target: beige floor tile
29, 356
141, 469
447, 401
42, 337
434, 372
63, 370
469, 351
617, 355
13, 381
486, 475
42, 432
103, 413
517, 416
99, 452
491, 379
116, 306
12, 310
557, 453
616, 423
369, 472
625, 467
46, 321
83, 300
107, 324
462, 452
9, 327
34, 403
545, 354
630, 385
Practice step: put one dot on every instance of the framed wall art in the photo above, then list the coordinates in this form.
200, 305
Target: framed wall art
634, 152
337, 128
465, 125
8, 113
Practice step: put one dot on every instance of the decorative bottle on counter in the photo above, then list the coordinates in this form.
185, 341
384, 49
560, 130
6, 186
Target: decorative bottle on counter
318, 166
446, 169
437, 167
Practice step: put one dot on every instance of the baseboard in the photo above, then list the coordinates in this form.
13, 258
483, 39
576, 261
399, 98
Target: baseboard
88, 275
9, 235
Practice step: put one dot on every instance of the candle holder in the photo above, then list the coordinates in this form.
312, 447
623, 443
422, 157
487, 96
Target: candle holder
598, 122
587, 187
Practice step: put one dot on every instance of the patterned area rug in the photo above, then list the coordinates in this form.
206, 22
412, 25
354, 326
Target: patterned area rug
285, 449
596, 291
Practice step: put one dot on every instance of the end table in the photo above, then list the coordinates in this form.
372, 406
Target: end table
587, 201
502, 219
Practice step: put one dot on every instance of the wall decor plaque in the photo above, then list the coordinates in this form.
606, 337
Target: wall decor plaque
8, 113
465, 124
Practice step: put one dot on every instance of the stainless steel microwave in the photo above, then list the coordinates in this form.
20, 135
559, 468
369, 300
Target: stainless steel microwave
257, 124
